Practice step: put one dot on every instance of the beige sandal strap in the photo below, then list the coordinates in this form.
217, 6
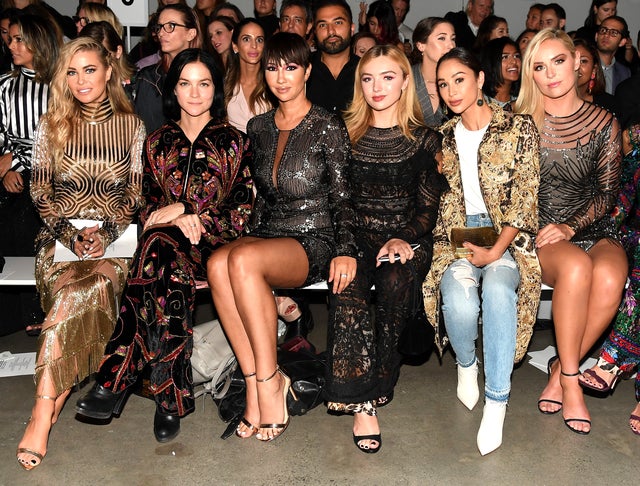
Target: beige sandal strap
24, 450
45, 397
271, 376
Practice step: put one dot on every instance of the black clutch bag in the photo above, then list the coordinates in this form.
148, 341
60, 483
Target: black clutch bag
418, 336
484, 236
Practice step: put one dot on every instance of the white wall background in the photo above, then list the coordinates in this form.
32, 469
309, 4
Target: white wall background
514, 11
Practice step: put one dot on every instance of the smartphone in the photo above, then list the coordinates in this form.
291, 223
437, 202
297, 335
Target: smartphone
385, 258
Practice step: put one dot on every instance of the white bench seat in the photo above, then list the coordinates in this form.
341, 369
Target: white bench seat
19, 271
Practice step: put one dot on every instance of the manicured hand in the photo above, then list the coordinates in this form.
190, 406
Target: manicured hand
342, 271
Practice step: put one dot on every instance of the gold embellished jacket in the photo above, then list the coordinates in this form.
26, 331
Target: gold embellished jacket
509, 175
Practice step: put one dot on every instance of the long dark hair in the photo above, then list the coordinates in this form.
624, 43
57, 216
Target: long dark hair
484, 30
261, 96
170, 104
491, 62
383, 11
590, 21
43, 38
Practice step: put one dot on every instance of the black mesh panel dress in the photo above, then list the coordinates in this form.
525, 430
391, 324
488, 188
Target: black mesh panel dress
580, 173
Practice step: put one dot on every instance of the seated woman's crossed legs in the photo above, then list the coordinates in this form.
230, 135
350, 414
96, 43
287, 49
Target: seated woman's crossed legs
242, 275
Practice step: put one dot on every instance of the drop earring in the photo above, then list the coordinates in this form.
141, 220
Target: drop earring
480, 102
592, 82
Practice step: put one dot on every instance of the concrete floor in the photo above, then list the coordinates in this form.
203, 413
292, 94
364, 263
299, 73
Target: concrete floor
428, 438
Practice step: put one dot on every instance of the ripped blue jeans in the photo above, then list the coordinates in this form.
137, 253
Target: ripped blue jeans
466, 290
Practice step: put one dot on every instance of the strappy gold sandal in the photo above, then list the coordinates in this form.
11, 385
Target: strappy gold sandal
250, 429
39, 456
286, 389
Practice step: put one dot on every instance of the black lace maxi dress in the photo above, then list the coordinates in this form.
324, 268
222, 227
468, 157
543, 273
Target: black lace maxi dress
396, 192
211, 178
309, 200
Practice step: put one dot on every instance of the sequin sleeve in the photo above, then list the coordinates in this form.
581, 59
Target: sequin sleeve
605, 179
42, 190
337, 153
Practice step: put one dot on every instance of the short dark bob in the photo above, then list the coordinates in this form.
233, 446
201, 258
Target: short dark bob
285, 48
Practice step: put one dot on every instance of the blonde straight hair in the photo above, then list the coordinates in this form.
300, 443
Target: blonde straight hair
359, 115
64, 109
530, 99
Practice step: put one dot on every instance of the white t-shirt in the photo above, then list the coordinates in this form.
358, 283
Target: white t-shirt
468, 142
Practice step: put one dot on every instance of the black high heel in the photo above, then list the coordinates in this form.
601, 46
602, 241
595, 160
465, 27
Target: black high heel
567, 420
101, 403
552, 360
367, 449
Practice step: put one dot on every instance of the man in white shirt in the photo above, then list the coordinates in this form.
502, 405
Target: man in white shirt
401, 9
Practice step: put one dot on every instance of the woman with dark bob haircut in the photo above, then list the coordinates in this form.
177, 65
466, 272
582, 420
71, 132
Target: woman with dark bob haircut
199, 192
301, 234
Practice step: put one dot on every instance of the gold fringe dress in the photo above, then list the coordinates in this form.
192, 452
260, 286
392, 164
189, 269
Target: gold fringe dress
99, 178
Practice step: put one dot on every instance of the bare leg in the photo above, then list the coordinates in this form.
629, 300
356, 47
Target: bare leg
609, 276
599, 284
242, 275
218, 276
634, 420
254, 269
568, 269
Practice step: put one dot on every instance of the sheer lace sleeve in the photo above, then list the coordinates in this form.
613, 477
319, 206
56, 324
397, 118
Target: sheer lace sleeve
42, 190
605, 179
430, 186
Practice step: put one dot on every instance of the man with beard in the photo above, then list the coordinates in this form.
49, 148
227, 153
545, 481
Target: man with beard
330, 84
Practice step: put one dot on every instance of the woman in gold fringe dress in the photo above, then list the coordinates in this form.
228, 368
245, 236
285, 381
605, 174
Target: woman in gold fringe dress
87, 165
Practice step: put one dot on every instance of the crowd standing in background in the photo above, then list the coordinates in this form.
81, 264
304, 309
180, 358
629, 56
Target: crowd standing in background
428, 107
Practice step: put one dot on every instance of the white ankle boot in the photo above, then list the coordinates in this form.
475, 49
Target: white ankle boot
468, 392
490, 432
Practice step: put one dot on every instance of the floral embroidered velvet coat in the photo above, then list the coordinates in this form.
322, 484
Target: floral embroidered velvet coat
218, 187
509, 175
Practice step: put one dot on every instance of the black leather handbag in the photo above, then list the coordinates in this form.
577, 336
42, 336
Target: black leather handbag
417, 337
307, 372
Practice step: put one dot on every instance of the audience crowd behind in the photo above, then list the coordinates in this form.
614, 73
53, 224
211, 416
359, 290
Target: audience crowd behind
533, 78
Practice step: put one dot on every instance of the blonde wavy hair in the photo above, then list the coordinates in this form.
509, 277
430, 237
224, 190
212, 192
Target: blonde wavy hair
359, 115
530, 99
64, 109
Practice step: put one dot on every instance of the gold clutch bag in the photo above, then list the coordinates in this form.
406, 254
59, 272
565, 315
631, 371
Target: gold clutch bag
484, 236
